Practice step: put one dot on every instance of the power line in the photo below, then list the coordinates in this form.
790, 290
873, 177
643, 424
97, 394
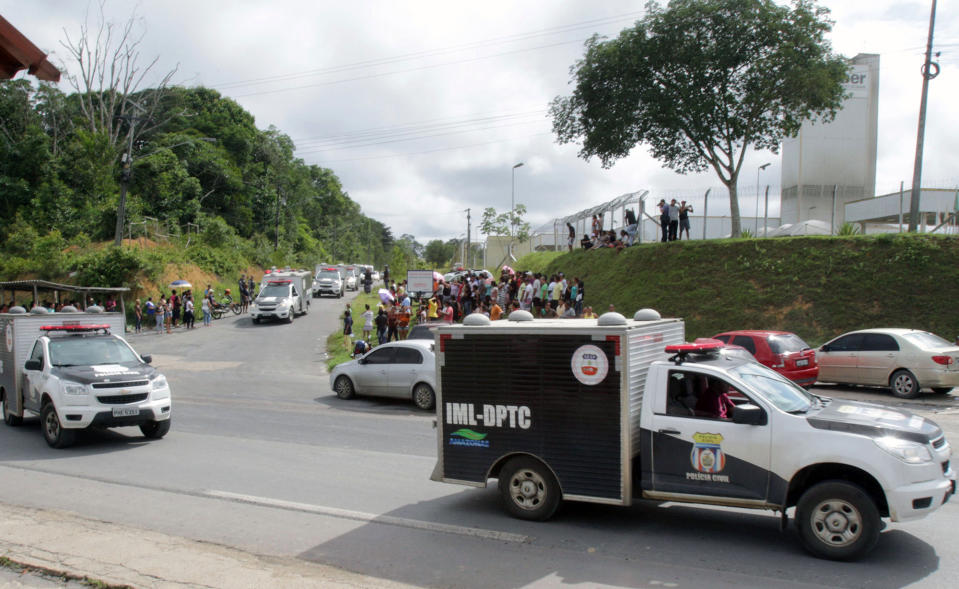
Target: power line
382, 157
414, 133
426, 123
408, 70
399, 140
431, 52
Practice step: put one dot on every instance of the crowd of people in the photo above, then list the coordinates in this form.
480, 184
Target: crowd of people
167, 313
544, 296
673, 219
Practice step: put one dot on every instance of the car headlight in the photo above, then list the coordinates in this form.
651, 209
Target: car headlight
159, 383
908, 452
74, 388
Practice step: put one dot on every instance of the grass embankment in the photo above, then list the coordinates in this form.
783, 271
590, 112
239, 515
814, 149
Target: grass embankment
817, 287
338, 346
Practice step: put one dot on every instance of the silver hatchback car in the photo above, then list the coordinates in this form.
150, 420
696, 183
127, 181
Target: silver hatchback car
402, 370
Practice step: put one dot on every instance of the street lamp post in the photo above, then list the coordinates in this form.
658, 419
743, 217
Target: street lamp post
760, 169
512, 202
512, 209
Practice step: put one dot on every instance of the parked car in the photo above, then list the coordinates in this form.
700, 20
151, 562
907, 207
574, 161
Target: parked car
784, 352
422, 331
403, 370
905, 360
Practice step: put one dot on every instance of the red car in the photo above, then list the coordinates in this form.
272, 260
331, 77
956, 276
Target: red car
784, 352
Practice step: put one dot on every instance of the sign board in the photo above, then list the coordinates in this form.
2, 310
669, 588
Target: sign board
857, 82
419, 281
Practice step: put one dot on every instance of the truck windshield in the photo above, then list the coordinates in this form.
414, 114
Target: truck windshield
85, 351
275, 290
333, 275
775, 388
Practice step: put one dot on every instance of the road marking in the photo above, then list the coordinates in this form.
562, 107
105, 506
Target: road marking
371, 517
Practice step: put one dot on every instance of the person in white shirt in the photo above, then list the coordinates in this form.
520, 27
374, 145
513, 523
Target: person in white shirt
367, 323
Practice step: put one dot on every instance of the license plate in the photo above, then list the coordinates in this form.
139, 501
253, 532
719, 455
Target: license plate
803, 362
126, 411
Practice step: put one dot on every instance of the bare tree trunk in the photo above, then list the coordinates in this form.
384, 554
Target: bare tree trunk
734, 207
110, 76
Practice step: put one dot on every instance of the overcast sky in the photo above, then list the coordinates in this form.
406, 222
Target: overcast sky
422, 107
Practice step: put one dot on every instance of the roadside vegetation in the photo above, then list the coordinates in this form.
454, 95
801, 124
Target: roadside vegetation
816, 287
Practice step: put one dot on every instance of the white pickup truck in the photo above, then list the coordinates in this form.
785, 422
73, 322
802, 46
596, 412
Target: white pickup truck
69, 369
613, 410
283, 295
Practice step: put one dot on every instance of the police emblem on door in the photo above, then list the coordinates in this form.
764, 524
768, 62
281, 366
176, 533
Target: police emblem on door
707, 454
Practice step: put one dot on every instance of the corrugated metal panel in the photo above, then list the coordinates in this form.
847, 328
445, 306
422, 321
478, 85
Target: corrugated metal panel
20, 332
645, 346
575, 428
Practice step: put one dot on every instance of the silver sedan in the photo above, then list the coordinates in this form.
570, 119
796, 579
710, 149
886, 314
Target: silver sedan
402, 370
905, 360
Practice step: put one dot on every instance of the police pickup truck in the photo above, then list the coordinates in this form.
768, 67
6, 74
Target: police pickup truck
79, 375
612, 410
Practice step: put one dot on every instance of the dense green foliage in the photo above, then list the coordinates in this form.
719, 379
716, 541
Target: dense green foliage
701, 82
817, 287
226, 194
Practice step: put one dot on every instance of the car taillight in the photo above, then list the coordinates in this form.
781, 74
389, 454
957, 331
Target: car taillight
944, 360
779, 361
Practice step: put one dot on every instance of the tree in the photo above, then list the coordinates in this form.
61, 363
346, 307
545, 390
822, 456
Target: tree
438, 253
502, 223
702, 81
109, 81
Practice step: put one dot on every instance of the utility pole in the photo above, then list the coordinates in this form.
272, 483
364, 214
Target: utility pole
930, 69
125, 175
469, 244
276, 234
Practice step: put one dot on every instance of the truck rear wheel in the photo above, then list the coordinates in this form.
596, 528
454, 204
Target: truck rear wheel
156, 429
837, 521
8, 418
529, 489
53, 432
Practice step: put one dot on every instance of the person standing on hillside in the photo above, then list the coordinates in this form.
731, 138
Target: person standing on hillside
664, 219
684, 211
631, 226
673, 220
381, 324
572, 236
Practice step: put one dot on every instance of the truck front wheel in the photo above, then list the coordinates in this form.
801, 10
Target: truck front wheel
837, 521
53, 432
156, 429
529, 489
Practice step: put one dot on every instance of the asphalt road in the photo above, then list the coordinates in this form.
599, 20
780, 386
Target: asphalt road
263, 457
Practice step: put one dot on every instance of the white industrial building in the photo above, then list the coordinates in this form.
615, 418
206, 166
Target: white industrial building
836, 158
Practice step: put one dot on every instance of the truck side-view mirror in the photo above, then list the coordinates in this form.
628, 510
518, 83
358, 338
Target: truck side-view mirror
33, 365
824, 349
147, 358
749, 414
